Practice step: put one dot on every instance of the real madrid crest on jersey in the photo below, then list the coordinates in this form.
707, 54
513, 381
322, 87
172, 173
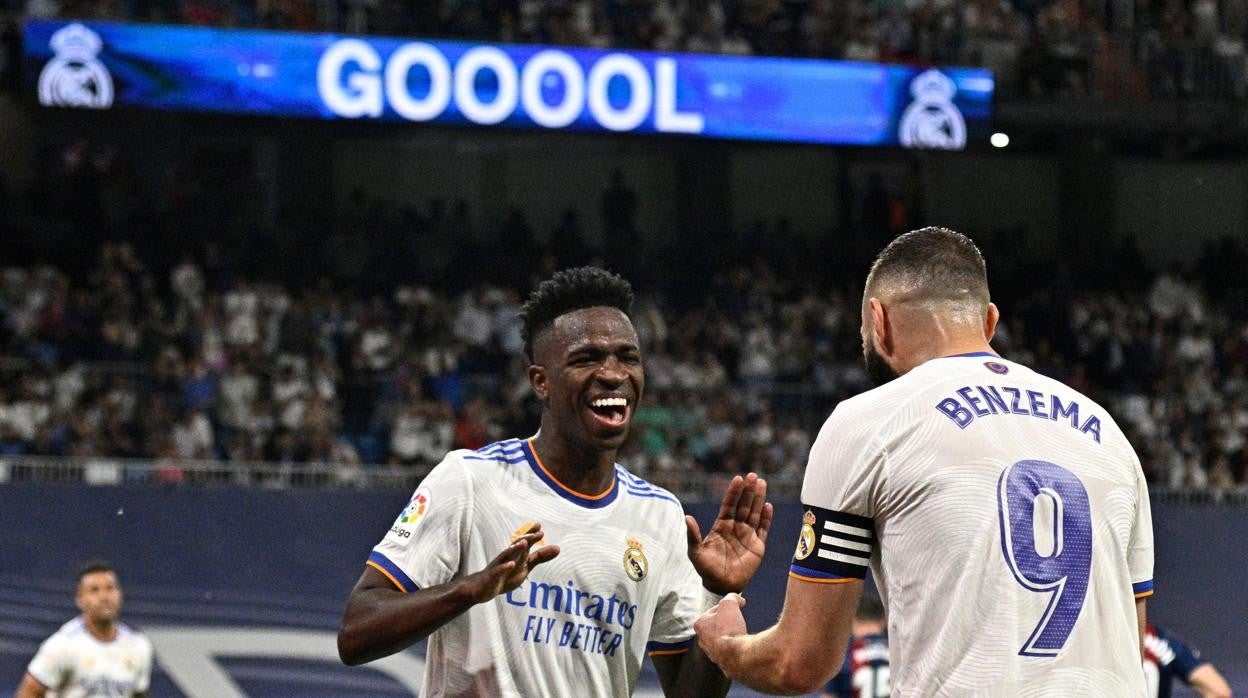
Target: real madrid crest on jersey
636, 566
932, 120
75, 77
806, 539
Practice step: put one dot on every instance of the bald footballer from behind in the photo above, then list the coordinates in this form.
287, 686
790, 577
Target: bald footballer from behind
1003, 514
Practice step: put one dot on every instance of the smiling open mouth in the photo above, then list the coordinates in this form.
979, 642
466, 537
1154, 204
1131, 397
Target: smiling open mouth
612, 411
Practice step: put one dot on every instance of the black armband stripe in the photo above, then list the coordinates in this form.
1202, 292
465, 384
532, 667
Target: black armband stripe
834, 544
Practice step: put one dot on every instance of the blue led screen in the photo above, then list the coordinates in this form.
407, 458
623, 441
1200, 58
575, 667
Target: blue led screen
98, 65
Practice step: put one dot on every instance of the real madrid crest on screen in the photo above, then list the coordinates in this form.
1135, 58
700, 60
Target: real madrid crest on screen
75, 77
636, 566
932, 120
806, 539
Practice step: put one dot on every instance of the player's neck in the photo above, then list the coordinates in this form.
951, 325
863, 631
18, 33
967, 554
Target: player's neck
586, 471
952, 346
972, 345
102, 630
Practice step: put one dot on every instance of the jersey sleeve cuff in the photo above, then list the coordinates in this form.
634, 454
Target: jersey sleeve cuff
1142, 589
658, 649
382, 564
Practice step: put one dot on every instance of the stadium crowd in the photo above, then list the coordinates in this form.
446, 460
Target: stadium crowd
203, 358
1099, 48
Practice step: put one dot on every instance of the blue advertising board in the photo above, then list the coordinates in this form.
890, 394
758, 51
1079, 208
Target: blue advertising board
98, 65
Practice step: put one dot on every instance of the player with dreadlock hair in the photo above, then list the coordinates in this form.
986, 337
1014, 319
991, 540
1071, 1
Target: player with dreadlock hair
594, 571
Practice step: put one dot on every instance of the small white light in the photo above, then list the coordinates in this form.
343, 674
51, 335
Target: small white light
999, 140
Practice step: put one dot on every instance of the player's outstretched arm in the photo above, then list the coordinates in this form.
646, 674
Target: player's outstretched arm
380, 620
733, 548
793, 656
1209, 682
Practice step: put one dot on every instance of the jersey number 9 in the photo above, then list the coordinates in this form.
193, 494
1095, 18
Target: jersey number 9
1050, 554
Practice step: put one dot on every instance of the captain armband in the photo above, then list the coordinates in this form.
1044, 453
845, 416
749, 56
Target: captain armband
833, 546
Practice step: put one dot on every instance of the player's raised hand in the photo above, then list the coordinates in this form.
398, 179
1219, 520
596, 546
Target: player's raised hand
733, 547
510, 568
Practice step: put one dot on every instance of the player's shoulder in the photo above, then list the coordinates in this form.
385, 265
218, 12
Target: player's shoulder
130, 632
1046, 383
73, 628
506, 451
870, 406
866, 415
491, 459
642, 491
1108, 429
133, 636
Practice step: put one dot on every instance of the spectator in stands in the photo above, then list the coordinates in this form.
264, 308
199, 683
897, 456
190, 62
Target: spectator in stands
101, 363
192, 435
422, 432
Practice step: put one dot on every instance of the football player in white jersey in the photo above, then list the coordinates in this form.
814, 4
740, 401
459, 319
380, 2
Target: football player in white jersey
94, 655
541, 567
1004, 515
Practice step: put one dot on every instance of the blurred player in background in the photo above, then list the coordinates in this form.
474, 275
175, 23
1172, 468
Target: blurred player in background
94, 654
1166, 658
1004, 515
865, 672
540, 567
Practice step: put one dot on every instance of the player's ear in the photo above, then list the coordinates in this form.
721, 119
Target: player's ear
881, 332
539, 380
990, 321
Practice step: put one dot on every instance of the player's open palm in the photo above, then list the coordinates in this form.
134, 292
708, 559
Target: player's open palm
511, 567
733, 547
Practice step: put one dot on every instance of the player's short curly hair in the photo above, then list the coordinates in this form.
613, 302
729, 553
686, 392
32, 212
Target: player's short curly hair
568, 290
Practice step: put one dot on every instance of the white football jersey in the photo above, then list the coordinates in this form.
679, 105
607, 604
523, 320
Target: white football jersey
580, 624
1006, 520
73, 663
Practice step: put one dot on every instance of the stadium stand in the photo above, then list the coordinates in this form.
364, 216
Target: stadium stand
200, 361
